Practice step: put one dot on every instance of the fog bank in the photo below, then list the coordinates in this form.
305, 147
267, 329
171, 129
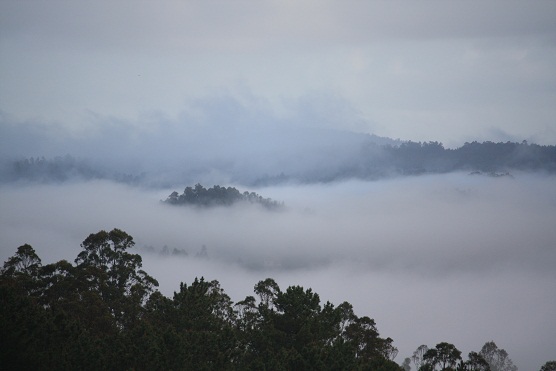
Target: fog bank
457, 258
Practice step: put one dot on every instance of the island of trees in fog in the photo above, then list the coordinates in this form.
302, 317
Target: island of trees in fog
372, 160
218, 196
104, 312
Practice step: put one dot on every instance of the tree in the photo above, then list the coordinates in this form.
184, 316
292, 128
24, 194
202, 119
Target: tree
247, 314
23, 269
297, 312
549, 366
364, 337
418, 355
267, 291
202, 317
24, 261
115, 274
496, 358
406, 365
476, 362
102, 313
23, 324
445, 355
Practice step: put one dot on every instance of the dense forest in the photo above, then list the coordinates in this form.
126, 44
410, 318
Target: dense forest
370, 161
218, 196
104, 312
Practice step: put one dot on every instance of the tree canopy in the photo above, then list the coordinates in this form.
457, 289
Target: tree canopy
218, 196
104, 312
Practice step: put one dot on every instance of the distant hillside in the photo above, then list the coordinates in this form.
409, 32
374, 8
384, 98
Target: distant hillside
414, 158
487, 156
367, 158
58, 170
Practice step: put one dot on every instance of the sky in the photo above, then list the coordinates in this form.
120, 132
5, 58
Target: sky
446, 71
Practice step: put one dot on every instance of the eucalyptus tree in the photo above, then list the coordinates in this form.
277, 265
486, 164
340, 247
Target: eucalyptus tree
115, 274
443, 355
497, 358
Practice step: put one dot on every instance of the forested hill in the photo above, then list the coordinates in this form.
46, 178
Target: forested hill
432, 157
360, 160
105, 313
375, 161
218, 196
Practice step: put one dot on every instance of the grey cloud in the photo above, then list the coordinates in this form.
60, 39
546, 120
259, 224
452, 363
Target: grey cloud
454, 69
216, 138
247, 26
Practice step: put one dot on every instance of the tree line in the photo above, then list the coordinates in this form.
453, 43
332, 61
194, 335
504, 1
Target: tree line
60, 169
370, 161
105, 312
417, 158
432, 157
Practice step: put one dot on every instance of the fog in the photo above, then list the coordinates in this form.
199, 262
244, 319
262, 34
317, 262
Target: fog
216, 138
456, 258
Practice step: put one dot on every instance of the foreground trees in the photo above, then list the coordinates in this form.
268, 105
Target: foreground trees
104, 313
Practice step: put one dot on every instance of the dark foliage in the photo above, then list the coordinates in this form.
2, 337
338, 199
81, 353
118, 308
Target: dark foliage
104, 313
549, 366
218, 196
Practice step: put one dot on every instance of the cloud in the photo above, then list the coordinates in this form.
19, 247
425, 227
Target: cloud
216, 138
427, 71
434, 258
244, 27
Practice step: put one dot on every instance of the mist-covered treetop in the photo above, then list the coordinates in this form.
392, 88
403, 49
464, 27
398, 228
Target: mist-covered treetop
218, 196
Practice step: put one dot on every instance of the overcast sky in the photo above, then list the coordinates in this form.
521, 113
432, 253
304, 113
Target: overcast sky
447, 71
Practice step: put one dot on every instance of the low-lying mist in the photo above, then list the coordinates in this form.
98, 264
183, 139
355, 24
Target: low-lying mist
457, 258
